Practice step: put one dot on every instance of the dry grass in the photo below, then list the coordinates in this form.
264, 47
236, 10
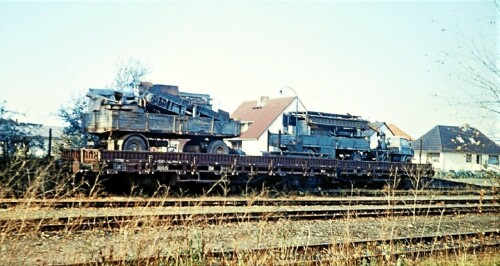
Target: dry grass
465, 259
40, 179
149, 240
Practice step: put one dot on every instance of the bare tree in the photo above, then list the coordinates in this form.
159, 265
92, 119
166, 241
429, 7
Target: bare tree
130, 74
472, 62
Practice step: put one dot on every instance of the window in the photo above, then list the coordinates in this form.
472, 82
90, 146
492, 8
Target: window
468, 158
479, 159
405, 143
493, 159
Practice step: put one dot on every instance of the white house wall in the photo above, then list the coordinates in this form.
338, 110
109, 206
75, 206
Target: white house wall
254, 147
373, 141
452, 161
386, 130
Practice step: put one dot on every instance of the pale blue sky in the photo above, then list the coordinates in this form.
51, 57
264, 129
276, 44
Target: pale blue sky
374, 59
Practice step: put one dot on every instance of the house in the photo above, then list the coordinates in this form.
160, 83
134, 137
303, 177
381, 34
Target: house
39, 133
257, 117
452, 148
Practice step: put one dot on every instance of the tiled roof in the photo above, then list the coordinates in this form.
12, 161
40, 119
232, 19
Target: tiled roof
261, 117
398, 132
456, 139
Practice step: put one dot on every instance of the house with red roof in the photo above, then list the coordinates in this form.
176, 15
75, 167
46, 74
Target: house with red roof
257, 117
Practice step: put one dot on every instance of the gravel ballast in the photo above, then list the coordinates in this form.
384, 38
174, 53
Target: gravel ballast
133, 242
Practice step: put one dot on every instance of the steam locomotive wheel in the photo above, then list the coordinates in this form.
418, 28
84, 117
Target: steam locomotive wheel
218, 147
135, 143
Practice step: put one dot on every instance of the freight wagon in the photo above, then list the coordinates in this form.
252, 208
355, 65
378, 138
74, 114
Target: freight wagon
199, 168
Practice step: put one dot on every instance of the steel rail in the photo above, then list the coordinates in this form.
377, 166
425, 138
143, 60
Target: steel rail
190, 215
188, 202
384, 246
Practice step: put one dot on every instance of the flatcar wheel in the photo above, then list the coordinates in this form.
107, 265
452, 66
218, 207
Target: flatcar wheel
135, 143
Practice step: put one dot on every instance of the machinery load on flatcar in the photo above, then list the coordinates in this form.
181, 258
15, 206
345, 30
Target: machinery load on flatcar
155, 116
336, 136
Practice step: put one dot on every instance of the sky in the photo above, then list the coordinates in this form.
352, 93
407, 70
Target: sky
378, 60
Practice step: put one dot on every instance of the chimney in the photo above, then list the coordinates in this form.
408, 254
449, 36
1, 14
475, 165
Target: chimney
262, 101
466, 126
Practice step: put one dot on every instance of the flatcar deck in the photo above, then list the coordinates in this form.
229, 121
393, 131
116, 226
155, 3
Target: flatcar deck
202, 167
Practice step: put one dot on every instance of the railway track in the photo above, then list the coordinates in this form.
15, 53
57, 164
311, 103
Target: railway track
356, 252
383, 248
116, 218
236, 201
